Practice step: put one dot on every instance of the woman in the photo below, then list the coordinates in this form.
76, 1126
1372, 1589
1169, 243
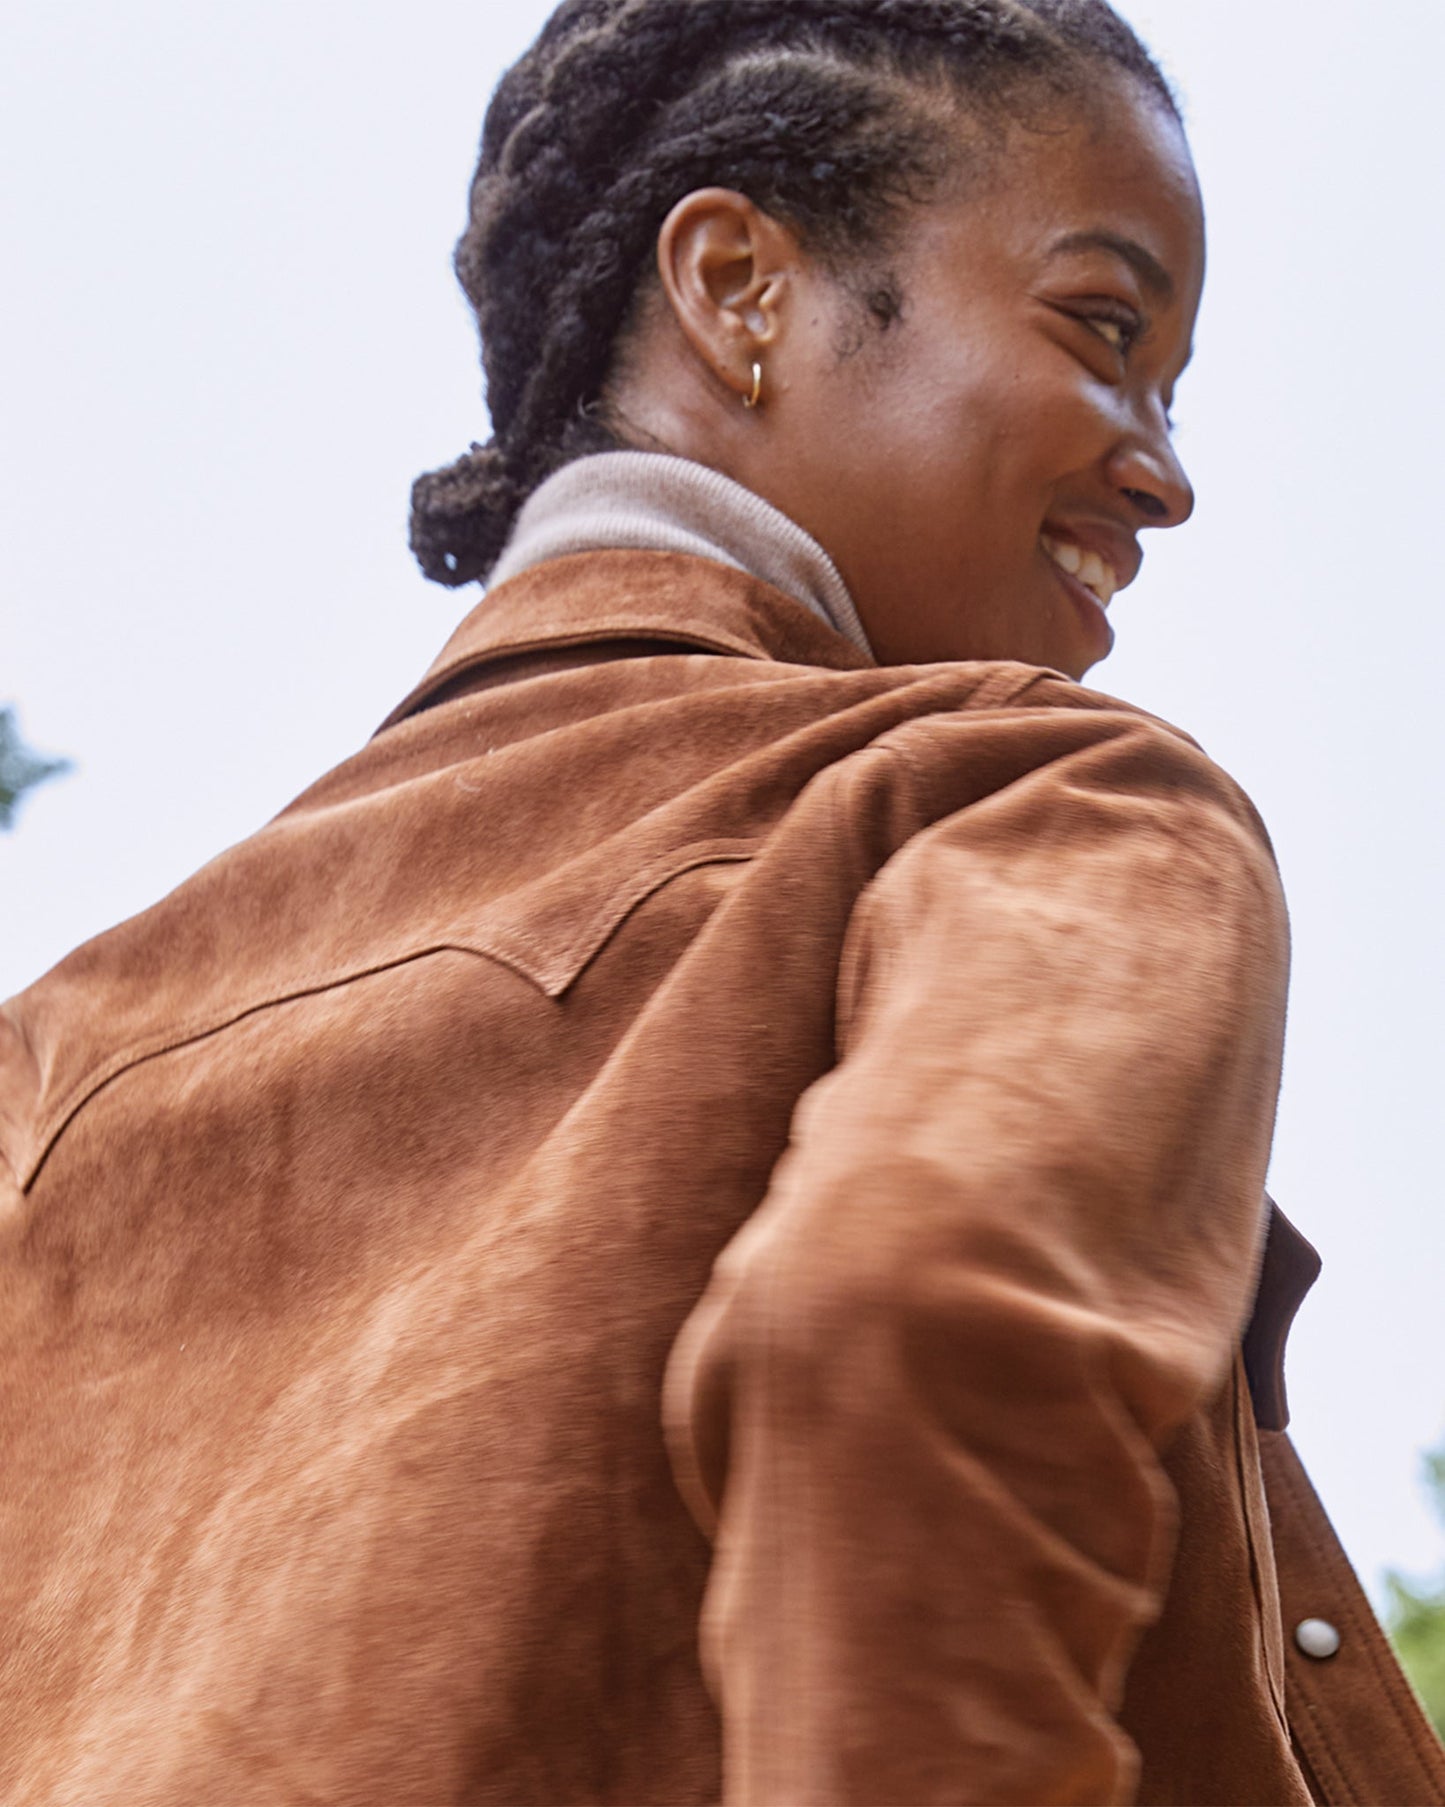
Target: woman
682, 1225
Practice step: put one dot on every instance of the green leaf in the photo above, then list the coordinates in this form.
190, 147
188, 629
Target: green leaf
20, 768
1415, 1616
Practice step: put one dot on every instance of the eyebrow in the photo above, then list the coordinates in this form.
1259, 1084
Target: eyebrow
1145, 265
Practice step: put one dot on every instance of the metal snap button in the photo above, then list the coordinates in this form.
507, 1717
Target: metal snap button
1317, 1638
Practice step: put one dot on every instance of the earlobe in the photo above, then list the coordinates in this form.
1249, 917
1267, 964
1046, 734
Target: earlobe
724, 266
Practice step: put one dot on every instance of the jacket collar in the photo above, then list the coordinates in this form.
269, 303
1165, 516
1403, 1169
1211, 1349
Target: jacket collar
692, 603
656, 502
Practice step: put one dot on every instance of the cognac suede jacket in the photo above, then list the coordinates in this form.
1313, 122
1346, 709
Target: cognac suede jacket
688, 1226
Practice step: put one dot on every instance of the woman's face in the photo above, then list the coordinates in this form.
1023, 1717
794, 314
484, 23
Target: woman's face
980, 470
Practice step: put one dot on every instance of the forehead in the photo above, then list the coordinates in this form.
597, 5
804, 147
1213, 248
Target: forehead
1114, 165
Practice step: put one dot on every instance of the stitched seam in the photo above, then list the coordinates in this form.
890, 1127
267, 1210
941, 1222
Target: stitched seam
1368, 1632
845, 847
1304, 1763
1331, 1562
552, 634
846, 836
652, 878
1312, 1726
57, 1119
1314, 1787
545, 978
557, 975
1256, 1561
1343, 1795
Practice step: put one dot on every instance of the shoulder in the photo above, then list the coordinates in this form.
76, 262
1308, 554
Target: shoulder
1041, 753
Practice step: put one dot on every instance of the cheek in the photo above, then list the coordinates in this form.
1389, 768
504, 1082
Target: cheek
971, 461
1035, 442
1002, 419
944, 429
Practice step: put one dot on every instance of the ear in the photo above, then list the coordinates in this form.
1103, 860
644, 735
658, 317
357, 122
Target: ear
728, 270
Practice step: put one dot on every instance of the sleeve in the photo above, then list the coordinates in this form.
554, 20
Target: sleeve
1011, 1248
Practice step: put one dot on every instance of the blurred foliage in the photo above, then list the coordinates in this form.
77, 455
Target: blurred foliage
20, 768
1416, 1616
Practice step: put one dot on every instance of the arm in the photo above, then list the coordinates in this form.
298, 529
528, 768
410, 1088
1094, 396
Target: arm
1010, 1250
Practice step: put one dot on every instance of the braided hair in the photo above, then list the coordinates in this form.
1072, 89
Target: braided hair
825, 113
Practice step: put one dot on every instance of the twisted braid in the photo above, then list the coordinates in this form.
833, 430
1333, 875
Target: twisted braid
818, 110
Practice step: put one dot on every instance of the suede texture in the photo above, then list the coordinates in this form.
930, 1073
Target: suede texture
679, 1229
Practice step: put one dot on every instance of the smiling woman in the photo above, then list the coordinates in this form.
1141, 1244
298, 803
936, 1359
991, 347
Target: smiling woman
988, 210
997, 446
689, 1224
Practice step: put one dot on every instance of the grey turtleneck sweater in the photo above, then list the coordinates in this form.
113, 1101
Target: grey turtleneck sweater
648, 501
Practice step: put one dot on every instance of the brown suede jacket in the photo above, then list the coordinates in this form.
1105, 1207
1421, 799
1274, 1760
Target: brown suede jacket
678, 1229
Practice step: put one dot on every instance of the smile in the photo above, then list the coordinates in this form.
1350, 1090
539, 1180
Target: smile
1095, 573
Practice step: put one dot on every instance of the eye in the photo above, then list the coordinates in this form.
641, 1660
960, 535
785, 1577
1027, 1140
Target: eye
1117, 326
1115, 332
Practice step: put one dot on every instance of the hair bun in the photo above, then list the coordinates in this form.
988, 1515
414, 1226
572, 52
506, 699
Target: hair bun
462, 515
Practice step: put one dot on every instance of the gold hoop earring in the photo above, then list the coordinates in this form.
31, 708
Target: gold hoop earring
751, 401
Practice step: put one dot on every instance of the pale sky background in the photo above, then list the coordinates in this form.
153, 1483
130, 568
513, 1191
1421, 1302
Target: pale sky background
229, 338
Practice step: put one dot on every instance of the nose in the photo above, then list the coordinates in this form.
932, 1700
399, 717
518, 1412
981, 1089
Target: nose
1146, 470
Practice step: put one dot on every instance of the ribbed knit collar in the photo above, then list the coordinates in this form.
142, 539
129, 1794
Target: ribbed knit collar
647, 501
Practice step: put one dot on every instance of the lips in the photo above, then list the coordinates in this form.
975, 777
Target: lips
1089, 605
1100, 556
1093, 572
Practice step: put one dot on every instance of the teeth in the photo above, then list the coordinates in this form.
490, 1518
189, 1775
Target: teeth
1099, 578
1088, 567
